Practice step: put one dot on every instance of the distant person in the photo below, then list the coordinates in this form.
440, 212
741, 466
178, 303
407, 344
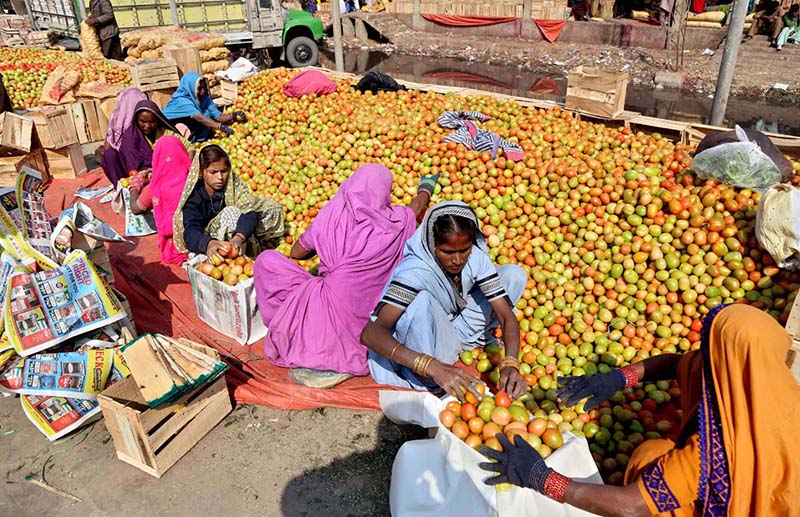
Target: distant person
790, 28
765, 19
192, 106
310, 6
105, 23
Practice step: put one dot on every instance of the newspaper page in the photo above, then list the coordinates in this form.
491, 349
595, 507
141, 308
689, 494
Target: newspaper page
8, 200
58, 416
71, 374
80, 217
137, 225
12, 236
35, 221
46, 308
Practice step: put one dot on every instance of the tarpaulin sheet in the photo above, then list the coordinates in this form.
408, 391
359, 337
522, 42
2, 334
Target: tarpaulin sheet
161, 300
467, 21
551, 29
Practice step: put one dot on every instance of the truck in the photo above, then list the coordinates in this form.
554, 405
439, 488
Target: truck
286, 34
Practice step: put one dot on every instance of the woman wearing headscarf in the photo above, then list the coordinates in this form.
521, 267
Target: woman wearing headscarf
217, 210
135, 151
315, 321
171, 165
121, 119
191, 105
445, 297
736, 453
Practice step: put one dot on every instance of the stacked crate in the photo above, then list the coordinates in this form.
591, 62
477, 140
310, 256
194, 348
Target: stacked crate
541, 9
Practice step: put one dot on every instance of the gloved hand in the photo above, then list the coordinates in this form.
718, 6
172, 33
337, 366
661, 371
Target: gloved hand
519, 465
226, 129
239, 116
599, 387
428, 183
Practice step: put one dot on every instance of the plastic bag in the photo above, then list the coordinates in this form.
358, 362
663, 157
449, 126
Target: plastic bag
240, 69
740, 164
778, 225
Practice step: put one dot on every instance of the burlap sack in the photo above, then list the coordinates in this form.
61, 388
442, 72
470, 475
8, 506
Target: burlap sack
778, 225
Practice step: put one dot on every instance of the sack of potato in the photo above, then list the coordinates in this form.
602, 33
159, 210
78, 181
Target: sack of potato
209, 67
214, 54
89, 41
58, 87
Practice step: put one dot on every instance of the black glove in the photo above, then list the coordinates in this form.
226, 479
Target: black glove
521, 465
239, 116
226, 129
599, 387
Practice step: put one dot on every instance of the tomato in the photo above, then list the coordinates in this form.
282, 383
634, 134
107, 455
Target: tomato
537, 426
460, 429
468, 411
447, 418
501, 399
553, 438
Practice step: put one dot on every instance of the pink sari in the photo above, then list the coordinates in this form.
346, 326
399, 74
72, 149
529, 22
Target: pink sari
171, 165
315, 321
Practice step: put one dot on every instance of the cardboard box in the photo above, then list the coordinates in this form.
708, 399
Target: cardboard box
54, 126
67, 162
594, 91
153, 440
793, 328
155, 74
231, 310
186, 57
91, 123
16, 134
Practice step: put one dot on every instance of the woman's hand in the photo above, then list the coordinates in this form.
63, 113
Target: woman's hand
214, 247
512, 382
453, 380
139, 181
237, 242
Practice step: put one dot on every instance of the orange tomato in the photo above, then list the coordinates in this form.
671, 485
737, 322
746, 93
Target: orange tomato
501, 399
468, 411
537, 426
475, 424
447, 418
460, 429
454, 406
490, 430
473, 441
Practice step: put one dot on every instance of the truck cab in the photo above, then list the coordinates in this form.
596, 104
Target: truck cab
286, 34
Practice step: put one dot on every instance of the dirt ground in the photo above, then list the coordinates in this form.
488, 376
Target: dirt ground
258, 461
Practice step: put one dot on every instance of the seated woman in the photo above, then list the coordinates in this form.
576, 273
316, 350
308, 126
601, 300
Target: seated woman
446, 296
171, 165
121, 119
217, 209
736, 453
135, 152
192, 106
315, 321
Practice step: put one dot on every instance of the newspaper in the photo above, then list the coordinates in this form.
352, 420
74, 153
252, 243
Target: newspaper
137, 225
91, 193
35, 221
46, 308
79, 217
58, 416
12, 234
71, 374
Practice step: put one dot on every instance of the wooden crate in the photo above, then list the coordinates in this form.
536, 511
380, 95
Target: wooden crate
153, 440
91, 123
186, 57
161, 97
596, 92
54, 126
11, 165
67, 162
229, 90
16, 134
155, 74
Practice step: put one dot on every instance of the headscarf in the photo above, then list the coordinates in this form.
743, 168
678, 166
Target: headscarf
237, 194
184, 102
748, 412
122, 115
135, 151
421, 270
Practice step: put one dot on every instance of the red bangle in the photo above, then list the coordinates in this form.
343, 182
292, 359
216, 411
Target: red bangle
555, 486
631, 375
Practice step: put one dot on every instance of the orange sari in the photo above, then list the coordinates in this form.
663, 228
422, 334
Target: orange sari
743, 458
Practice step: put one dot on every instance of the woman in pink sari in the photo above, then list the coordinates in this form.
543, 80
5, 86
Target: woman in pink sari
171, 164
315, 321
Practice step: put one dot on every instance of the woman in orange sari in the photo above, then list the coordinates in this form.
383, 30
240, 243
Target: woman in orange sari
737, 453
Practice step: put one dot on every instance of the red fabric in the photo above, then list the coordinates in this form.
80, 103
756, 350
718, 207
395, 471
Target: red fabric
161, 300
546, 85
551, 29
308, 82
698, 6
467, 21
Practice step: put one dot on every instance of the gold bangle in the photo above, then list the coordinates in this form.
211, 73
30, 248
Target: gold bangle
508, 362
417, 359
420, 364
425, 365
391, 356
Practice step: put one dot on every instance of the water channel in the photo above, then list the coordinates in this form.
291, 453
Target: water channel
665, 104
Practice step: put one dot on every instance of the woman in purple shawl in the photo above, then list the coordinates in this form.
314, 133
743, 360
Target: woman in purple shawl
315, 321
135, 153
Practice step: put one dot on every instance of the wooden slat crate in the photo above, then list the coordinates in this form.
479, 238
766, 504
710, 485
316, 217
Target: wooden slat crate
597, 92
16, 134
229, 90
91, 124
161, 97
154, 439
11, 165
54, 126
186, 57
67, 162
155, 74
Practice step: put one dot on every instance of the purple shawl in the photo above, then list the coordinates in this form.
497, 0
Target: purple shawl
135, 152
122, 116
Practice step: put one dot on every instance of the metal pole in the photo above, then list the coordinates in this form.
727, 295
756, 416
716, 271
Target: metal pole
726, 68
173, 9
337, 36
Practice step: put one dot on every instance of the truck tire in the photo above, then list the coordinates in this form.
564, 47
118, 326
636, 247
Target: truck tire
302, 51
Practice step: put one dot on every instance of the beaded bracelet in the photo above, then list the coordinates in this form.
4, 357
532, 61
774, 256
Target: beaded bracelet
555, 486
631, 375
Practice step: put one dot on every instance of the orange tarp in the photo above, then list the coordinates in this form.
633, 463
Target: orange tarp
467, 21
